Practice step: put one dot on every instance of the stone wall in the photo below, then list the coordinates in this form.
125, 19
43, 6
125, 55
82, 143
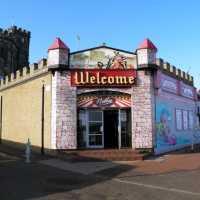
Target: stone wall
66, 112
14, 49
143, 111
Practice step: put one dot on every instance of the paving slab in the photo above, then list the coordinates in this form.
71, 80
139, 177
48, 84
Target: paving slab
81, 167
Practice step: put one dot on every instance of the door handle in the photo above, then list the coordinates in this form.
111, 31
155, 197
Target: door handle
101, 129
118, 129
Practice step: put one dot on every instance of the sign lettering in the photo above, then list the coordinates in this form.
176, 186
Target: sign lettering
103, 78
104, 101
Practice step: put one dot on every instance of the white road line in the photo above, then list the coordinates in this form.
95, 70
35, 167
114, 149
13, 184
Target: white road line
157, 187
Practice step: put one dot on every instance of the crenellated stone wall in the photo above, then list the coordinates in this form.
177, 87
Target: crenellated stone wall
175, 72
25, 74
143, 111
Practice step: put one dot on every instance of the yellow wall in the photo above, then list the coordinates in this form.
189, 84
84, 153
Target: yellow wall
22, 107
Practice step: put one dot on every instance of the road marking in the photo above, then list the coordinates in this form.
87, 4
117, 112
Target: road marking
157, 187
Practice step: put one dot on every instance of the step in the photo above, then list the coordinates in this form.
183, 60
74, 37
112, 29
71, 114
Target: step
111, 154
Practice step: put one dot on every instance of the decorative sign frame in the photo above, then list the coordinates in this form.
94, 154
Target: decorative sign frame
111, 101
103, 77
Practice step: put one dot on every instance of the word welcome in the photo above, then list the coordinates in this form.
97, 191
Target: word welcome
103, 77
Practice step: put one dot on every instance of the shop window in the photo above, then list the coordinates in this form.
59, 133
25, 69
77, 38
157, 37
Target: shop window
191, 120
95, 116
179, 123
185, 119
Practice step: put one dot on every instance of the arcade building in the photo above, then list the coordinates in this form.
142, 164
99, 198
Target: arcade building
100, 98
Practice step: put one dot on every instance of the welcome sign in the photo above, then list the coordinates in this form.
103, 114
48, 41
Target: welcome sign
103, 77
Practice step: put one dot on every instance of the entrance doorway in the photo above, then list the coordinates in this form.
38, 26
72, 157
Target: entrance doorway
104, 128
111, 128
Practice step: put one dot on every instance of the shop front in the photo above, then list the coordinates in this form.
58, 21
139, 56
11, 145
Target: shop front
101, 98
104, 120
104, 111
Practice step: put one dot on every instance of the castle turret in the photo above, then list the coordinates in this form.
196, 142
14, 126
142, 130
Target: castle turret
58, 54
14, 49
146, 53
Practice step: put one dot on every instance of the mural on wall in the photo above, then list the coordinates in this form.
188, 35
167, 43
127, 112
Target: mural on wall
176, 119
103, 58
164, 132
174, 127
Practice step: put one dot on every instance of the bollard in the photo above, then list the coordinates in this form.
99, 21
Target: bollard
28, 151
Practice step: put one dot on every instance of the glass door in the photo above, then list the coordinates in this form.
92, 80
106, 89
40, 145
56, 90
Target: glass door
124, 128
95, 129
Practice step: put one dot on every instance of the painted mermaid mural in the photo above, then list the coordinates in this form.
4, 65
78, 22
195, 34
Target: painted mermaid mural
164, 132
168, 137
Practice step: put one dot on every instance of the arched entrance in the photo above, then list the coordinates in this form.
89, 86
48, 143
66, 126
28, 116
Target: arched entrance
104, 120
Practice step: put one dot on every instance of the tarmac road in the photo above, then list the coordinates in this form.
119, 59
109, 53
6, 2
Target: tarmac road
37, 181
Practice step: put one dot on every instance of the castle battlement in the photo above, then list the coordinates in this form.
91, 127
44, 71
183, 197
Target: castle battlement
173, 71
14, 49
14, 30
24, 74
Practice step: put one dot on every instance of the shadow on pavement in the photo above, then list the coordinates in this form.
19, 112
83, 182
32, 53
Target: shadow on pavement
21, 181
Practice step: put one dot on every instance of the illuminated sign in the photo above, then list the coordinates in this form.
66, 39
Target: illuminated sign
103, 77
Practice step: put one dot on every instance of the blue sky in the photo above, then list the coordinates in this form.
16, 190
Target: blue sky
173, 26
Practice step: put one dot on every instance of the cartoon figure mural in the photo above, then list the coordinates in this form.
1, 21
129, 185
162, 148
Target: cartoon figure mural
164, 135
168, 137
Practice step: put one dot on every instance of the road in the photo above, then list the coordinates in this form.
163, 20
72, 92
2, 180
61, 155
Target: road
58, 180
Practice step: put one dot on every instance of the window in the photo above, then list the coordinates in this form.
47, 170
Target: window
179, 118
191, 120
185, 119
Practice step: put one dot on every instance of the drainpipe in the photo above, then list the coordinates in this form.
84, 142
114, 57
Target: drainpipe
42, 122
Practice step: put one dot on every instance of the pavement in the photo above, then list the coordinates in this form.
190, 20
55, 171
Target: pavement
169, 177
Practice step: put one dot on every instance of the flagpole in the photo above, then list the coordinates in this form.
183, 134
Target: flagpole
78, 42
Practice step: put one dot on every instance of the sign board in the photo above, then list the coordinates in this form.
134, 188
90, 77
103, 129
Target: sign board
187, 91
103, 77
112, 101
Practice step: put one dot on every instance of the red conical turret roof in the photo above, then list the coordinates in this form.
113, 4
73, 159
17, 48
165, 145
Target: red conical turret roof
147, 44
58, 44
